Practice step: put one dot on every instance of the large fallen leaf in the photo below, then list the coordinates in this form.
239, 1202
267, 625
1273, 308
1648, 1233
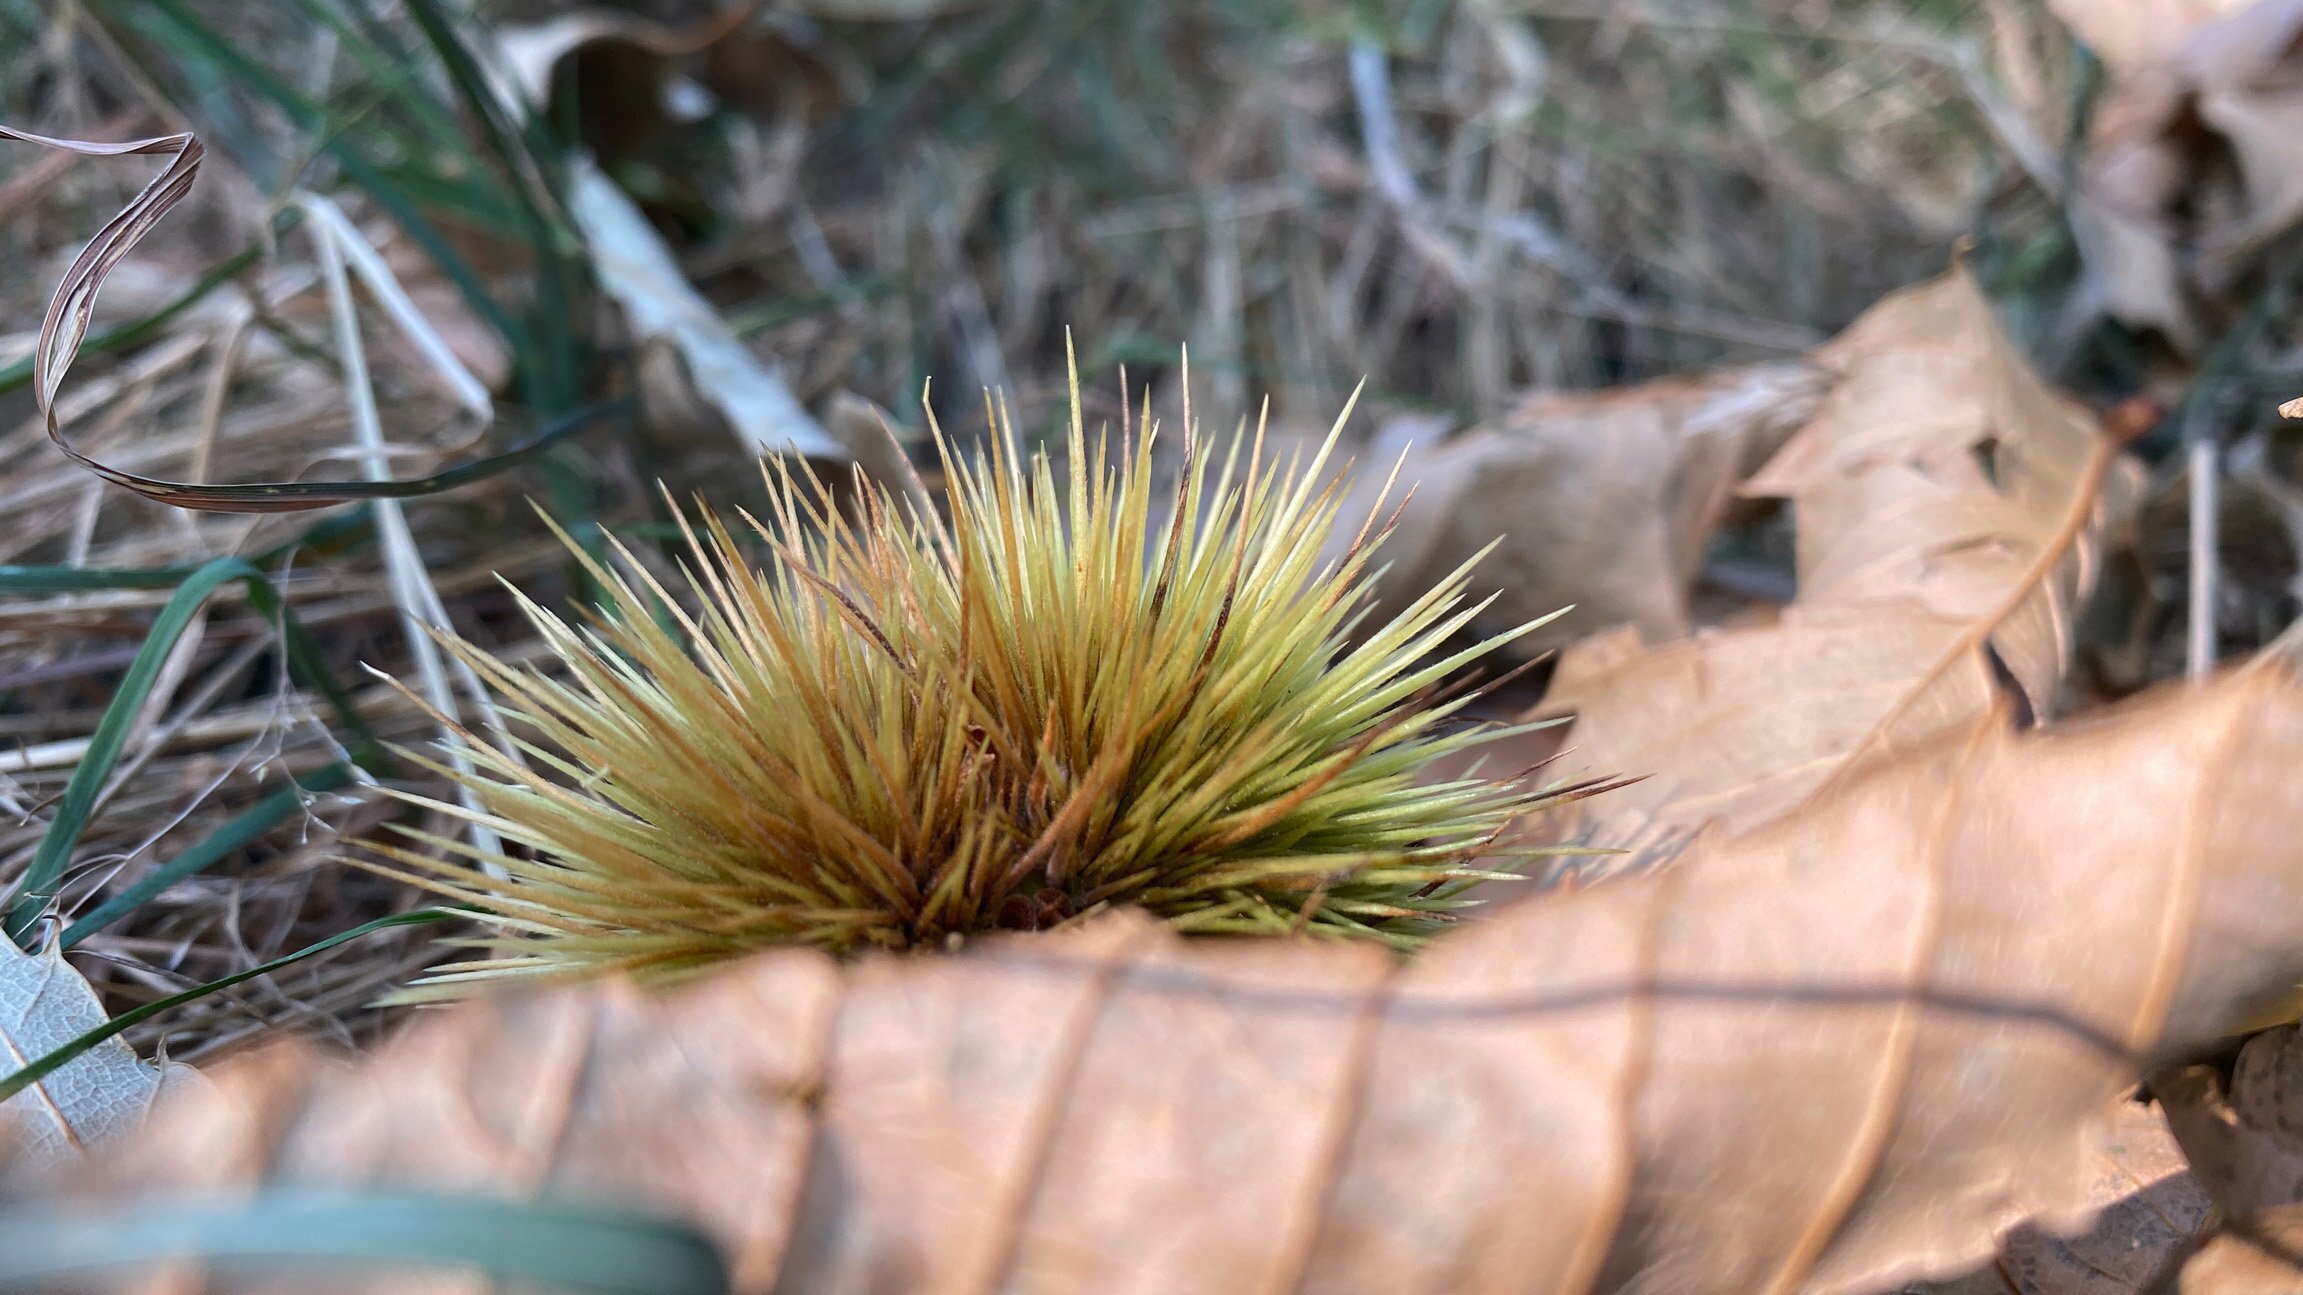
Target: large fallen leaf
1949, 510
630, 80
45, 1004
2247, 1144
2194, 158
1600, 501
1850, 1048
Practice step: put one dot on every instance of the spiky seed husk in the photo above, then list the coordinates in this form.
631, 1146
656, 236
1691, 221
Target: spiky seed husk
902, 731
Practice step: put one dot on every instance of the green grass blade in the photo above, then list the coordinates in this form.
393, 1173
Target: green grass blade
427, 236
305, 663
335, 535
551, 238
190, 40
208, 851
37, 889
478, 205
414, 159
125, 1021
366, 42
586, 1249
79, 580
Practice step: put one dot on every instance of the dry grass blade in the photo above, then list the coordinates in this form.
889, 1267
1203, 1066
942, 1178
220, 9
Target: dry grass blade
422, 615
65, 325
694, 359
333, 228
73, 305
1890, 1021
905, 731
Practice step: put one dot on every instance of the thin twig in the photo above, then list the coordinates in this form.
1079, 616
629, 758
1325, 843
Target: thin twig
2199, 642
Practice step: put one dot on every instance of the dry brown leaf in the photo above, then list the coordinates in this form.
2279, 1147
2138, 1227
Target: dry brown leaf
626, 67
2246, 1150
2129, 34
1602, 500
2262, 1260
2150, 1215
1949, 508
1851, 1048
2194, 157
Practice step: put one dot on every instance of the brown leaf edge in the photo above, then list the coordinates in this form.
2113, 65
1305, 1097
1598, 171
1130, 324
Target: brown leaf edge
65, 325
1848, 1048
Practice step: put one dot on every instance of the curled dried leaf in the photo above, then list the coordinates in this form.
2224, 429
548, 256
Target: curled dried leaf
2193, 161
1952, 510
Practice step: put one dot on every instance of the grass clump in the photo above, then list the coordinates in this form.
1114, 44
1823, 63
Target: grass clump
905, 730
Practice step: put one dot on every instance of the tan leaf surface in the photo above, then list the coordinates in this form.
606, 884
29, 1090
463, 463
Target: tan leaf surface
2259, 1261
1950, 509
1602, 500
2195, 156
2127, 34
44, 1004
2152, 1211
2150, 1215
1845, 1050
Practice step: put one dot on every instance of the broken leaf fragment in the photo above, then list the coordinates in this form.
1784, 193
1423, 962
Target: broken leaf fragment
45, 1004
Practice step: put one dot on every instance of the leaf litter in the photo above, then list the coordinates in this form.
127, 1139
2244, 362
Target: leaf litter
1985, 541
